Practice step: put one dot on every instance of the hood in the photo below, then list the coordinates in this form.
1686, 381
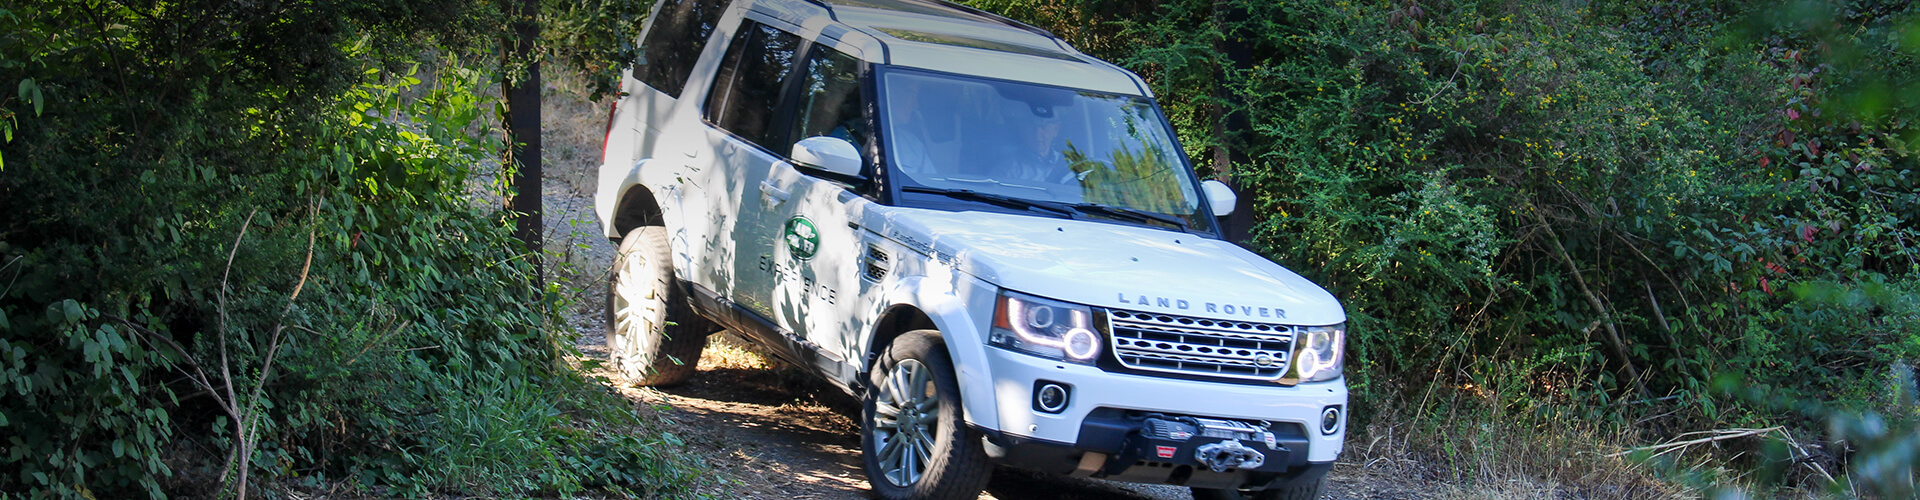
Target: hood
1113, 265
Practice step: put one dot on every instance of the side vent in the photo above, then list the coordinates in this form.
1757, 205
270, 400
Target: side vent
877, 264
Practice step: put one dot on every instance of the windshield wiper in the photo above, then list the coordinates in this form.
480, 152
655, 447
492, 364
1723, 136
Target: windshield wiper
995, 199
1069, 210
1131, 214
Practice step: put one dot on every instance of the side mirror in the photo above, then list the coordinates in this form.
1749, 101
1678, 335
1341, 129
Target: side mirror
831, 154
1220, 196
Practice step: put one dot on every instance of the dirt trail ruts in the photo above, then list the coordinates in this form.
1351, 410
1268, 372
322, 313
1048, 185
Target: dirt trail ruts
771, 432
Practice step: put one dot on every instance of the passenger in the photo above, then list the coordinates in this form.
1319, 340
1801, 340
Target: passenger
910, 139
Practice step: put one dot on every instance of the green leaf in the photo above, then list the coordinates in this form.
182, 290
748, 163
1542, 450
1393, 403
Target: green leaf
72, 310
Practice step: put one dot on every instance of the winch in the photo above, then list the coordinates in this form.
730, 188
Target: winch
1219, 456
1229, 454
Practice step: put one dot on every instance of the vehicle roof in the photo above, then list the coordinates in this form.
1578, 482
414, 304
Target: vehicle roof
941, 36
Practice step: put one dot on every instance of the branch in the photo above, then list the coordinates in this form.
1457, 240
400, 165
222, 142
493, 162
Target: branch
16, 274
239, 455
1717, 435
1656, 268
376, 340
198, 376
1606, 317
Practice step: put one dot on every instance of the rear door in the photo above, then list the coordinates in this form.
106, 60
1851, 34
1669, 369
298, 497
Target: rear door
744, 125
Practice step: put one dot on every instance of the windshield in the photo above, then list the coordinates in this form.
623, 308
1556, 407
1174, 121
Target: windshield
949, 134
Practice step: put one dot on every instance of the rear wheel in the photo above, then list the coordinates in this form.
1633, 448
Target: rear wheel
1304, 490
653, 335
915, 441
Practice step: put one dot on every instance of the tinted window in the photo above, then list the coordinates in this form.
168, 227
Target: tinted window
679, 35
747, 91
830, 100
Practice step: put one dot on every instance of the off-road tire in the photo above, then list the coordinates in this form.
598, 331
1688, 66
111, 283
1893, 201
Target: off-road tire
1303, 490
653, 336
957, 467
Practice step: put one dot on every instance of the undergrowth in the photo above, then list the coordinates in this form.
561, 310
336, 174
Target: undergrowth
1600, 208
237, 256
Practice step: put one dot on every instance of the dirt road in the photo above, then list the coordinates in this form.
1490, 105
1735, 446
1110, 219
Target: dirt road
772, 432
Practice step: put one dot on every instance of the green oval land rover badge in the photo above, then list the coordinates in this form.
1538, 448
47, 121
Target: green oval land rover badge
802, 238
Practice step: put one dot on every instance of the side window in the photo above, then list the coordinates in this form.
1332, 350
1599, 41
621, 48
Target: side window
679, 35
747, 91
830, 101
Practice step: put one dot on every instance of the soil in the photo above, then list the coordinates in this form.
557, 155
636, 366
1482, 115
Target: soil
773, 432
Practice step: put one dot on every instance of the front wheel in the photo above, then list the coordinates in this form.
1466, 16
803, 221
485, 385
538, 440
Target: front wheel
1304, 490
915, 441
653, 336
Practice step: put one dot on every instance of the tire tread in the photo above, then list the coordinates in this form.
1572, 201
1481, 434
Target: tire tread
959, 475
682, 333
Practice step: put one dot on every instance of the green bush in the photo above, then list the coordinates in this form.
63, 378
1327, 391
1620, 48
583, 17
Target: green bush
240, 247
1593, 206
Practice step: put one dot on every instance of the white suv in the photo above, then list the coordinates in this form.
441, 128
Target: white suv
991, 239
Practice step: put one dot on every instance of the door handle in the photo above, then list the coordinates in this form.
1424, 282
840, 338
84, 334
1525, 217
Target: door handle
773, 193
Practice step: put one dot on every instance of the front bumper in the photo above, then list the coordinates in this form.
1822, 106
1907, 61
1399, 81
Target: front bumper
1104, 411
1114, 448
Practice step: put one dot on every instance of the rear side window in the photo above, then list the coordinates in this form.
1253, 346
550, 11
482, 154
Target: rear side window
679, 35
747, 91
830, 100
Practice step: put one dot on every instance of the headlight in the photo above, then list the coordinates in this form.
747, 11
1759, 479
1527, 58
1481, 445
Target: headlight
1045, 328
1319, 353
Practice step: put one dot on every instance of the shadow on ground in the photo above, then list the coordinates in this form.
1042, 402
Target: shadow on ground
775, 433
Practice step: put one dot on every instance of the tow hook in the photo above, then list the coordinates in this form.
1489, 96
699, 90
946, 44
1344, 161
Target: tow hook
1229, 454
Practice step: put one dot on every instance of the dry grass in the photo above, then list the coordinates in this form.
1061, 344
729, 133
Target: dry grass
724, 350
572, 129
1463, 446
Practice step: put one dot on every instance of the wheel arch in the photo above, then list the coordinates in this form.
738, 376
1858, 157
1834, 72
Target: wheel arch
637, 208
896, 320
910, 306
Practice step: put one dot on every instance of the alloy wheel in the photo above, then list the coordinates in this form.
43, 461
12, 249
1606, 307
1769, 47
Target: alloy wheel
906, 421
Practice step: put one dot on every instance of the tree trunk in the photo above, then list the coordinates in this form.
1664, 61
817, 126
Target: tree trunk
523, 123
1229, 124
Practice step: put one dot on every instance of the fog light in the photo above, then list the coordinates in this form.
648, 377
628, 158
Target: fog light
1330, 420
1050, 397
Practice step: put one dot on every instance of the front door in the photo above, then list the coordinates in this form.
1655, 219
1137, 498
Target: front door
819, 259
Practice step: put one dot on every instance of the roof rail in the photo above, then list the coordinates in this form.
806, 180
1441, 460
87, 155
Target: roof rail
995, 17
824, 5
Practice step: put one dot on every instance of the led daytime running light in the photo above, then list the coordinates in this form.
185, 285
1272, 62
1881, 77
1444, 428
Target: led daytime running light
1025, 314
1320, 354
1081, 343
1042, 323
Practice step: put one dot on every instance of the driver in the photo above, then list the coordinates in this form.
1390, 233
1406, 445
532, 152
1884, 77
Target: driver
1038, 158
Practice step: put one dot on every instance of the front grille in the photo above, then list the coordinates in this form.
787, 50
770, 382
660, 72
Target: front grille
1196, 346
